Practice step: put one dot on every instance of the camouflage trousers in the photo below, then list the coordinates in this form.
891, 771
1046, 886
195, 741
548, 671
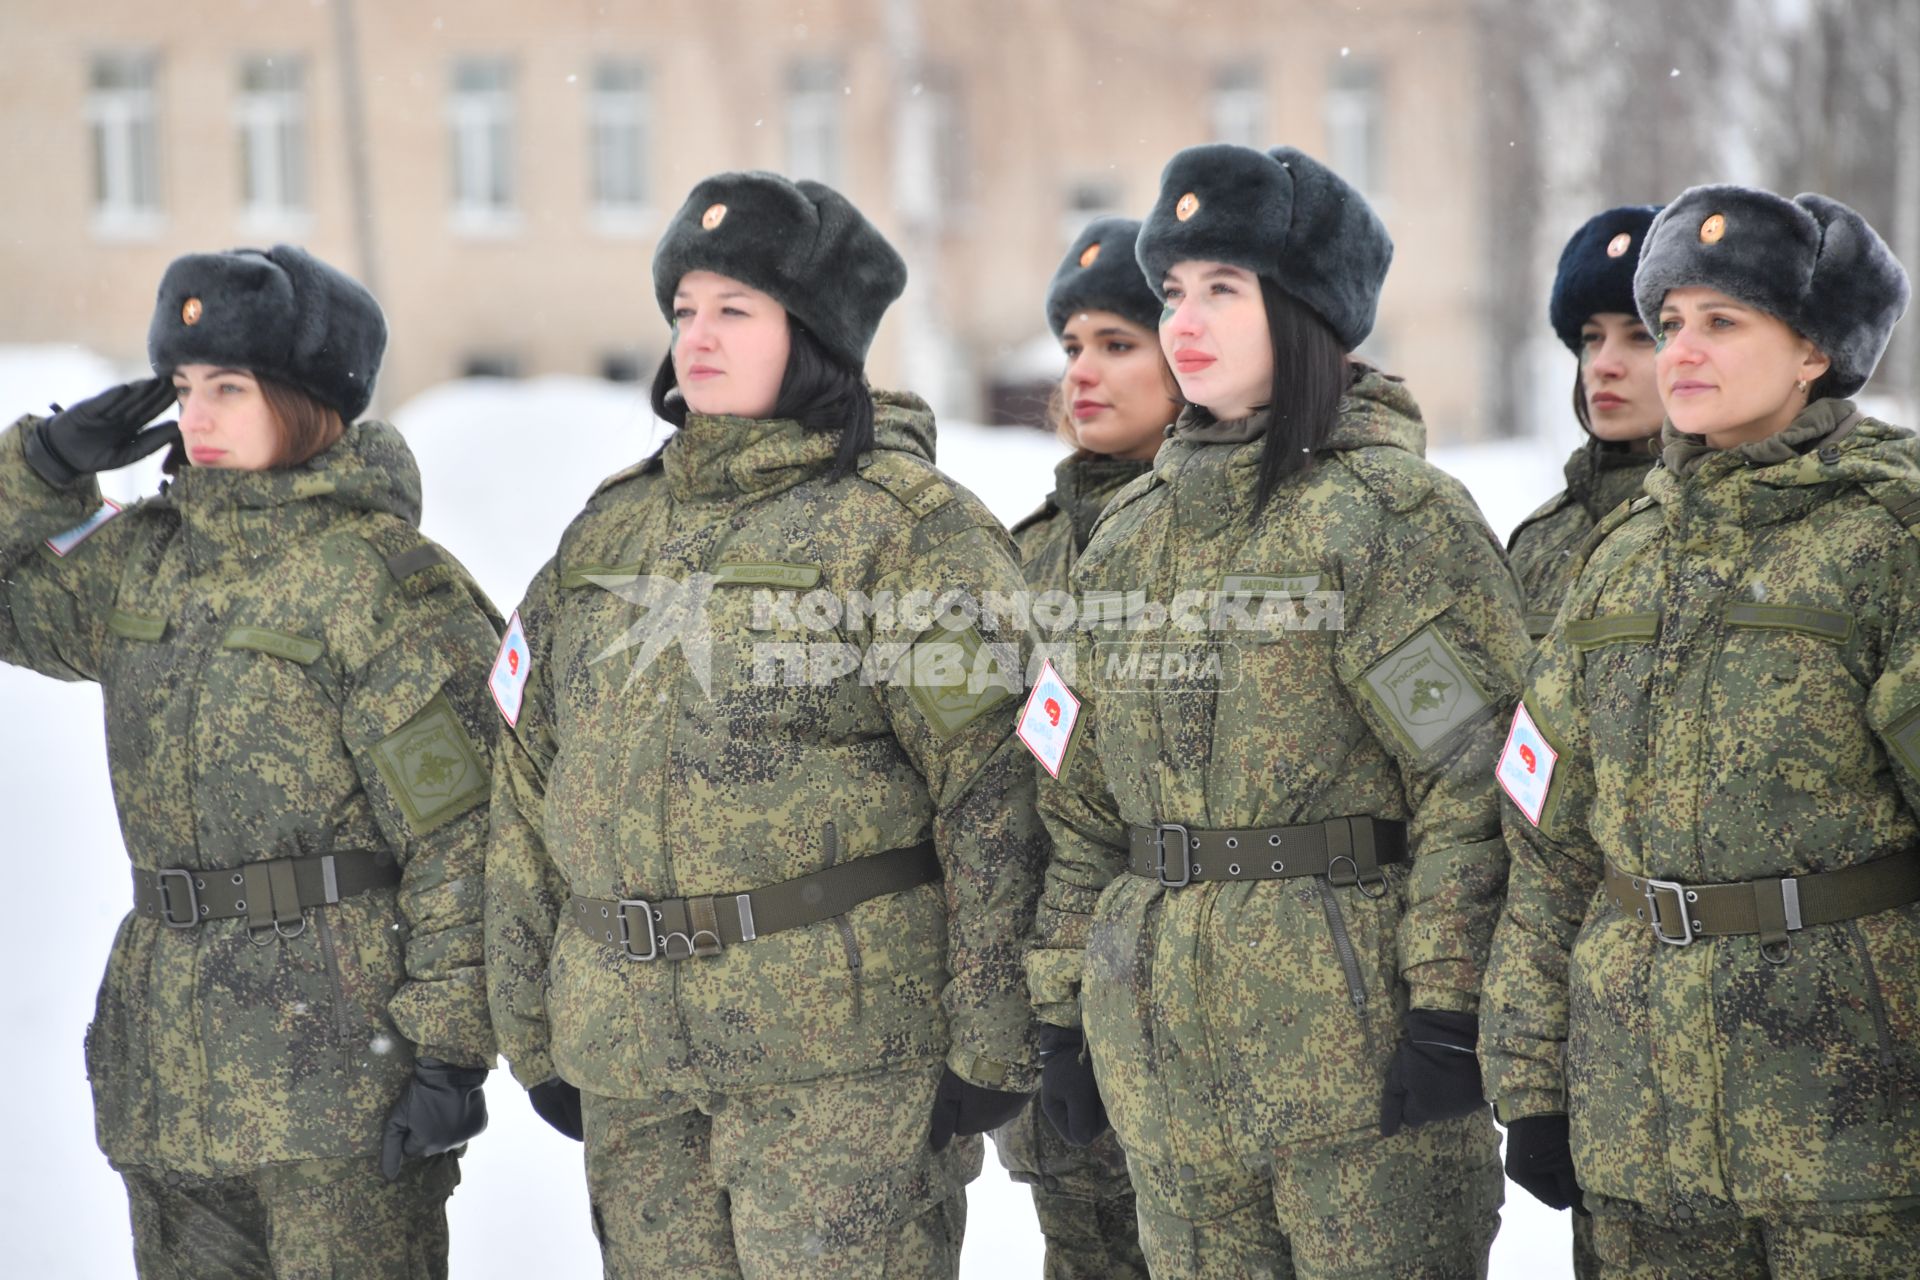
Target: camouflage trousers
830, 1178
307, 1220
1586, 1263
1879, 1238
1081, 1195
1421, 1205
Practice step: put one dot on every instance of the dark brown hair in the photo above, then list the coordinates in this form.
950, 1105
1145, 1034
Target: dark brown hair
1311, 374
819, 391
303, 428
307, 428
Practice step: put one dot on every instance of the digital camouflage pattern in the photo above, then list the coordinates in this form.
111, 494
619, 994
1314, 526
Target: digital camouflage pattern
1421, 1205
1081, 1195
1051, 539
1733, 689
1545, 547
1843, 1241
627, 779
272, 690
831, 1178
305, 1220
1223, 1023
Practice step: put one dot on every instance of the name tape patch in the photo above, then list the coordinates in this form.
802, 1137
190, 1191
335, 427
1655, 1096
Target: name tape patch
511, 667
1046, 723
61, 543
1525, 771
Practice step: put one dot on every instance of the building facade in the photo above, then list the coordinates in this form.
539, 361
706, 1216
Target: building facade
499, 172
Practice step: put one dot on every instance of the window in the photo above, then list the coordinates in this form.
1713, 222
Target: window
1086, 200
1238, 106
123, 121
480, 120
932, 157
490, 364
271, 115
621, 126
622, 366
1355, 134
814, 90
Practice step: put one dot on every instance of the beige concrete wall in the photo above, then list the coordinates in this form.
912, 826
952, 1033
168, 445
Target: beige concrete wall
1051, 92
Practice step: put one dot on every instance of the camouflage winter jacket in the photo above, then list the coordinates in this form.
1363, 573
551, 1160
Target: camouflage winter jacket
732, 748
289, 670
1052, 538
1733, 691
1374, 679
1544, 548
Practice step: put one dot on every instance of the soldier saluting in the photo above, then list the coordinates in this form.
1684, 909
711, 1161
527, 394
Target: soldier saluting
1703, 1007
292, 1031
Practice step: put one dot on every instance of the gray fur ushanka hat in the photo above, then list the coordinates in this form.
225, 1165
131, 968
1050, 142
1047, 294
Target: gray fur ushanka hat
1810, 261
1280, 214
1596, 269
801, 243
1100, 273
277, 313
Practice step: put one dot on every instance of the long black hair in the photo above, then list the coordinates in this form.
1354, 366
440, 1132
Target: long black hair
1310, 375
818, 391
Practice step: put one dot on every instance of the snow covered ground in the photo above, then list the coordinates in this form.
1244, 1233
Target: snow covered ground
506, 464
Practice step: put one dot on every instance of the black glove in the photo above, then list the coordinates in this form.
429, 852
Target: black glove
1069, 1098
960, 1108
1435, 1073
1540, 1158
558, 1103
102, 433
441, 1108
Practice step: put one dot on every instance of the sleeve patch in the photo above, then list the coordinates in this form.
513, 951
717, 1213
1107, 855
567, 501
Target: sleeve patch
1525, 771
431, 767
1424, 689
1046, 723
511, 666
955, 679
62, 543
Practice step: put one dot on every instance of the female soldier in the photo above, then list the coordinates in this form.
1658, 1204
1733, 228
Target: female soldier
766, 848
1722, 737
296, 730
1113, 405
1614, 397
1275, 856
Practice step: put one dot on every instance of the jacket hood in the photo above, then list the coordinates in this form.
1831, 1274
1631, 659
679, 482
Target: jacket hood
370, 468
715, 456
1830, 441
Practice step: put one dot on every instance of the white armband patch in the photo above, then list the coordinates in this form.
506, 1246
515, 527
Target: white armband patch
1046, 724
508, 682
1525, 771
61, 543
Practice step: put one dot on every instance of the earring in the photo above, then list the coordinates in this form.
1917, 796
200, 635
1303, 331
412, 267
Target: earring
1801, 386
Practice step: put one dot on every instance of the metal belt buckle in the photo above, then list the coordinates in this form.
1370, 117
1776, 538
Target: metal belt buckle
166, 899
626, 939
1160, 830
1679, 893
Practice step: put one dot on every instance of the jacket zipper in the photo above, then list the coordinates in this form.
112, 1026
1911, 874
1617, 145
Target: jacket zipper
332, 958
1343, 945
1877, 1004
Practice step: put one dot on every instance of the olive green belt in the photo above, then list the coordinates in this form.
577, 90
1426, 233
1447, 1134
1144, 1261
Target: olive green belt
1773, 908
276, 892
1345, 850
680, 928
